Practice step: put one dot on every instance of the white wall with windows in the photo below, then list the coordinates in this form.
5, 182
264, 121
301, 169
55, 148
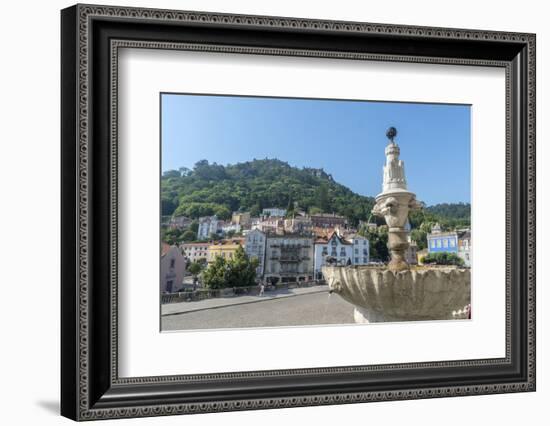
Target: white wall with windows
355, 251
254, 246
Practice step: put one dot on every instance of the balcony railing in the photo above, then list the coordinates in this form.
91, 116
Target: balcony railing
290, 246
290, 258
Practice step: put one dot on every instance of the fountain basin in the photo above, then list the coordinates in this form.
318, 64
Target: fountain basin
420, 293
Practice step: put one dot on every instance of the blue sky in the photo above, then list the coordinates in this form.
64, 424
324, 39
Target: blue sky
346, 138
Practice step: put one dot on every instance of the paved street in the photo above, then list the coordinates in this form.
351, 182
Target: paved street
305, 309
199, 305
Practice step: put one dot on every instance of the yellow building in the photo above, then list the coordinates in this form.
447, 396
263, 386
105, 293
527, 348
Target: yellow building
225, 249
242, 219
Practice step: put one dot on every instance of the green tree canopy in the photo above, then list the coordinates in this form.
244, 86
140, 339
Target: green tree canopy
239, 271
195, 210
242, 270
189, 235
378, 242
171, 174
214, 276
171, 236
195, 268
420, 236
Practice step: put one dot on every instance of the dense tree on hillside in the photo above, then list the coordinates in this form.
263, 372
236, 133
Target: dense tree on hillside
171, 174
197, 209
168, 205
251, 186
171, 236
443, 214
451, 211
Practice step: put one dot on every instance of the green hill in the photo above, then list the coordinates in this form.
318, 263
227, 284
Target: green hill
251, 186
210, 189
451, 210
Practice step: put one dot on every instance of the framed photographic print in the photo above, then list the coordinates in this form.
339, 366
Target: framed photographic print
263, 212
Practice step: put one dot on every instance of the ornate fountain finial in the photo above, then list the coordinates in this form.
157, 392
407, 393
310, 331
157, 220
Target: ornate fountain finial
394, 203
391, 133
394, 170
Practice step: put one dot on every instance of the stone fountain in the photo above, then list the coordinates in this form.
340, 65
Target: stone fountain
399, 292
394, 204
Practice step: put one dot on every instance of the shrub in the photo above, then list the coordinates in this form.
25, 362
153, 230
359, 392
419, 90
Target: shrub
443, 258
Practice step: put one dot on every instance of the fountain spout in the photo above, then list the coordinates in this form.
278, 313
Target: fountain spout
394, 204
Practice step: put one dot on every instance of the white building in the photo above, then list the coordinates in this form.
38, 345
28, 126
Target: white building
465, 246
274, 225
352, 251
195, 251
333, 246
274, 212
254, 246
208, 225
231, 227
361, 250
172, 269
255, 223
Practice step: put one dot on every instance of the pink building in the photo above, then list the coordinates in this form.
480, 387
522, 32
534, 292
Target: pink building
172, 269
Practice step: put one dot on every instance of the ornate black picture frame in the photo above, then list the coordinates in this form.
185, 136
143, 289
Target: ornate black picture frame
91, 387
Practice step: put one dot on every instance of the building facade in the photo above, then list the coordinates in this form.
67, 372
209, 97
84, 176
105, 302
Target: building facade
242, 219
225, 249
457, 242
465, 247
274, 212
208, 226
326, 220
172, 269
254, 247
352, 251
179, 222
298, 225
361, 250
230, 227
439, 241
195, 251
272, 225
411, 252
289, 258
